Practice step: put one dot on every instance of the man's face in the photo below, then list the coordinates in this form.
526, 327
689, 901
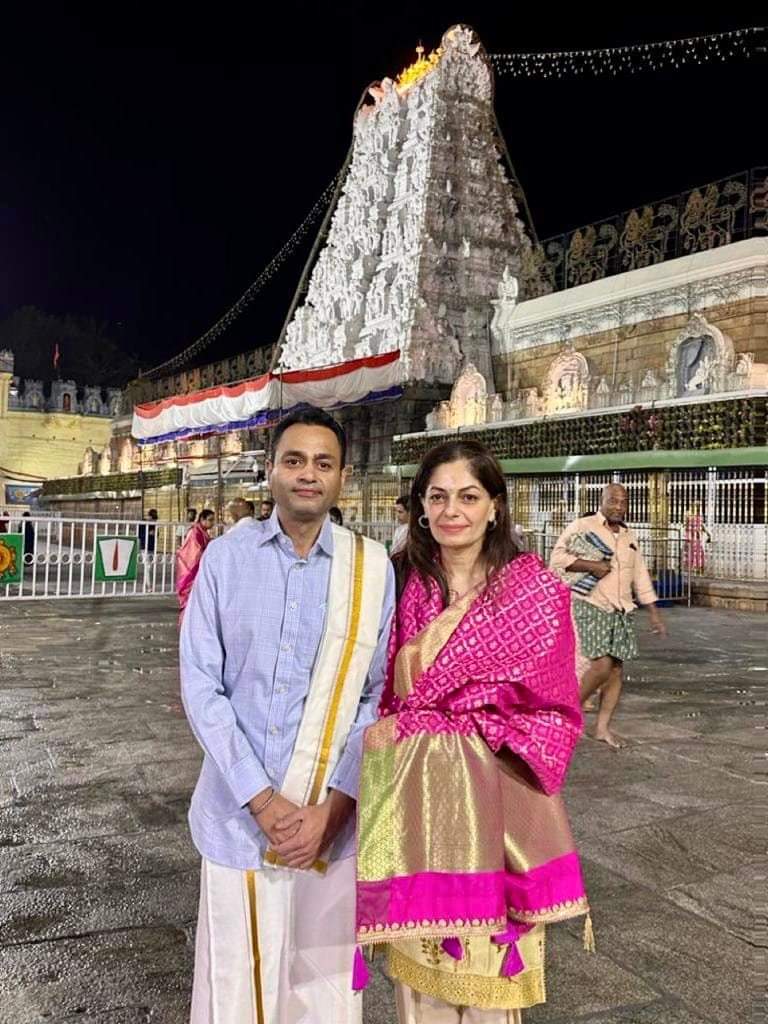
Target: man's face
306, 476
266, 510
615, 504
400, 513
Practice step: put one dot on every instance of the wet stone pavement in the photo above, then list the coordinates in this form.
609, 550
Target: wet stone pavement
98, 878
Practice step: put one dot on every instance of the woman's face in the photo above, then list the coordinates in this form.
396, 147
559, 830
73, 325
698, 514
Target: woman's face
207, 523
457, 505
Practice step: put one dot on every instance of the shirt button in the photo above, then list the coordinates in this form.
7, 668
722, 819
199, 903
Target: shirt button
285, 647
274, 730
293, 606
281, 689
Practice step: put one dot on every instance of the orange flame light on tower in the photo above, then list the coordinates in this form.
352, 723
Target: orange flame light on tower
419, 69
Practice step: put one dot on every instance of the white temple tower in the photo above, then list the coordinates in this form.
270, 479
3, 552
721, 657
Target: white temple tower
425, 227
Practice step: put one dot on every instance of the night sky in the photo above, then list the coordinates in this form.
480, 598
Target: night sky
150, 169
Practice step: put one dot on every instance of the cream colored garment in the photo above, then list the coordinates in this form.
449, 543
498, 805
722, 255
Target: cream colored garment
415, 1008
276, 947
628, 574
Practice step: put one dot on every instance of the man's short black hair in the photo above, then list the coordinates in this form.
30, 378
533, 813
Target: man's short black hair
268, 501
311, 417
404, 500
251, 507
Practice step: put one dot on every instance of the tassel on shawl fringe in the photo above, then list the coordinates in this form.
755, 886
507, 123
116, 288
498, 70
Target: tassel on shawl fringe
588, 936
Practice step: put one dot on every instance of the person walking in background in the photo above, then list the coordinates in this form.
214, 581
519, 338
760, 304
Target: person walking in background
28, 528
183, 528
266, 509
241, 512
599, 557
147, 533
189, 554
336, 516
400, 536
694, 548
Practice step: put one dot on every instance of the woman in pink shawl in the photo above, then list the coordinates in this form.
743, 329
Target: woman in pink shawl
464, 847
189, 554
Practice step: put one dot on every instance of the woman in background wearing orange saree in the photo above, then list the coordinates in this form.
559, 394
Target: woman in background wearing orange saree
189, 554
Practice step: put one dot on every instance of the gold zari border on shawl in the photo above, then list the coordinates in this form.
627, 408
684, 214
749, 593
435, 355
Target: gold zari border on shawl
341, 678
353, 627
465, 989
420, 651
253, 924
444, 929
555, 913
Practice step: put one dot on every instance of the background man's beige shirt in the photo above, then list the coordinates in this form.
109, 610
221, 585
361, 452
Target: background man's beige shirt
628, 569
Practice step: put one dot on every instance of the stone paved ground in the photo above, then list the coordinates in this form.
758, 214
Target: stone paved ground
98, 880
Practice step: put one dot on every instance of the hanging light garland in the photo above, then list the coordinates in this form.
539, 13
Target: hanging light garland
617, 60
269, 271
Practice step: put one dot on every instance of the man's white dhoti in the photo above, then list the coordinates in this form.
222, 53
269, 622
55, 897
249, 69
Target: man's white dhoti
276, 947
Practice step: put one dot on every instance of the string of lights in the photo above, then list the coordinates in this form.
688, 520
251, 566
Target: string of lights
269, 271
639, 57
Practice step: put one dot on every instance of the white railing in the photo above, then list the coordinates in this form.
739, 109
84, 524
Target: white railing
381, 531
730, 503
663, 551
67, 557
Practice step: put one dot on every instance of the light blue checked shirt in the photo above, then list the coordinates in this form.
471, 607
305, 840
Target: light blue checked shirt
249, 638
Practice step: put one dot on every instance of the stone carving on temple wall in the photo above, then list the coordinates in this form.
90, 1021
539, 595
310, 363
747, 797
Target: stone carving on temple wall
105, 461
64, 396
603, 394
33, 397
90, 462
93, 402
125, 460
469, 404
700, 359
425, 227
504, 306
566, 386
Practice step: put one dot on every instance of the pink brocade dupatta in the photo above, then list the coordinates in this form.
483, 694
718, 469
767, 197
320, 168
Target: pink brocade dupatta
460, 828
188, 561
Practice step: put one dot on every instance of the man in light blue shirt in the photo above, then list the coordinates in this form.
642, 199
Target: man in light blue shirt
270, 628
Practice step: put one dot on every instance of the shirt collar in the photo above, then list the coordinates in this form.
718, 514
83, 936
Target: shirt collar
604, 522
271, 528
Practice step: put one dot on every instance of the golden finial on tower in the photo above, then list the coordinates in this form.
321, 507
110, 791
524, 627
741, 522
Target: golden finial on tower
420, 67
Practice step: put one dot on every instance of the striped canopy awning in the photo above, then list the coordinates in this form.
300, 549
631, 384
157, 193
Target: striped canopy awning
266, 399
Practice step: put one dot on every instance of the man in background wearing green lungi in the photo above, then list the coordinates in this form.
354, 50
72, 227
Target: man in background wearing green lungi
602, 614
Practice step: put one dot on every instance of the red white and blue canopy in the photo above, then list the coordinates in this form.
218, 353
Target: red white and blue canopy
266, 399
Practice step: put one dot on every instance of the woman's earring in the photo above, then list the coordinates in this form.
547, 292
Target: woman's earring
491, 524
424, 522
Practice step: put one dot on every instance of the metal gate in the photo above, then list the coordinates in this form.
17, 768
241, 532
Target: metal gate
662, 549
66, 557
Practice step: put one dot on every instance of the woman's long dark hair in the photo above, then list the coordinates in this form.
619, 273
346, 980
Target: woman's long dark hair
422, 550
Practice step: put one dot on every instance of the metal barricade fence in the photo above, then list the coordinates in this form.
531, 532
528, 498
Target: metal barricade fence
664, 552
381, 531
67, 557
